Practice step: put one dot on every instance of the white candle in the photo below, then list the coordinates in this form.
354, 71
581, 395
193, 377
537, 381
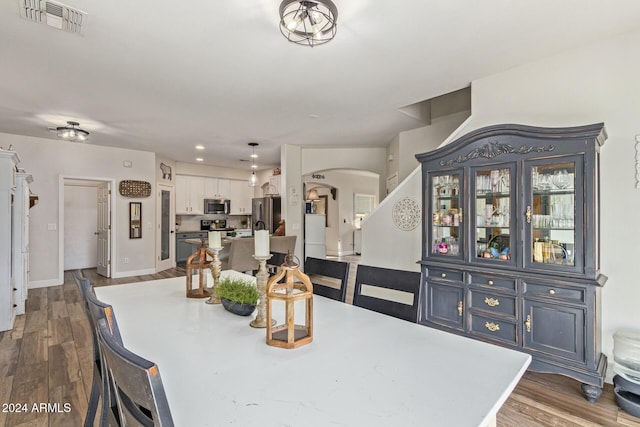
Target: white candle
261, 243
215, 242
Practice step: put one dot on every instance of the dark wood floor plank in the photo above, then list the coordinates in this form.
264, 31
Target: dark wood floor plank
70, 403
30, 386
36, 320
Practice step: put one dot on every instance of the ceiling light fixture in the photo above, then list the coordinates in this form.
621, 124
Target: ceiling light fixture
72, 132
253, 179
309, 23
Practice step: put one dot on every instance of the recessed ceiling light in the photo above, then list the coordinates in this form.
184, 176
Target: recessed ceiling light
199, 159
199, 147
254, 166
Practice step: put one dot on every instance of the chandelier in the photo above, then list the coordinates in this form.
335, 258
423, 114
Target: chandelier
72, 132
309, 23
253, 179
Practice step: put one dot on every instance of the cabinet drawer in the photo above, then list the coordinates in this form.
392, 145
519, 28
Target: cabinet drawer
492, 281
574, 294
499, 330
444, 274
493, 303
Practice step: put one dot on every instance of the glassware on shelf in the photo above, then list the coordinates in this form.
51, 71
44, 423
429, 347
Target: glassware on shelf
560, 179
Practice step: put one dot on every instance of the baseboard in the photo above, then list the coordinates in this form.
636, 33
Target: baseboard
121, 274
44, 283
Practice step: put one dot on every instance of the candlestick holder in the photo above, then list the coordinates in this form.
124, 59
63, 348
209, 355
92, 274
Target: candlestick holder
216, 268
261, 281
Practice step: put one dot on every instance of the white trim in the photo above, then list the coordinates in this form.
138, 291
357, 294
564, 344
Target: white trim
61, 180
122, 274
637, 161
45, 283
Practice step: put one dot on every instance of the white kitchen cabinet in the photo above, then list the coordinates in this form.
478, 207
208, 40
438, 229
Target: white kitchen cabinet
274, 184
189, 195
20, 243
217, 188
8, 162
240, 195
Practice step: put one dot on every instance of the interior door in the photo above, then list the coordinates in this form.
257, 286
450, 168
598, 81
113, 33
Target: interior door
104, 230
166, 233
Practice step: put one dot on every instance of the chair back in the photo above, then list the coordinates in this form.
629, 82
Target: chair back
329, 277
136, 382
392, 292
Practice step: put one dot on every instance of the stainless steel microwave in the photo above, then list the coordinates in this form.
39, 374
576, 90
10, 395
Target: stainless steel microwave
217, 206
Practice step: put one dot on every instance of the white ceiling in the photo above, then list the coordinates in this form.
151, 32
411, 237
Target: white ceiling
164, 75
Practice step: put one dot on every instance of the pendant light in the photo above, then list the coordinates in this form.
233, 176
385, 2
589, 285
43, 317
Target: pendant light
253, 179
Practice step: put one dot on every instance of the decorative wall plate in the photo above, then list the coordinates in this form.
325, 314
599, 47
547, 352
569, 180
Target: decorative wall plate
134, 189
406, 214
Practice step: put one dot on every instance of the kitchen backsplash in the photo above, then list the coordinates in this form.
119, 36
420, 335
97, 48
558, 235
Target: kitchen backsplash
192, 222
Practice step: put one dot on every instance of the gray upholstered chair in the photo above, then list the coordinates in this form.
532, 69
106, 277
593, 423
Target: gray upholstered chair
241, 252
137, 384
392, 292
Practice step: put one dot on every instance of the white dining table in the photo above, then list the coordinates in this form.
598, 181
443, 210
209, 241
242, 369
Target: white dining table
362, 368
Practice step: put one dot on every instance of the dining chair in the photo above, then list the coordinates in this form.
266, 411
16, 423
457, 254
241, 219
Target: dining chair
137, 384
329, 277
387, 291
96, 310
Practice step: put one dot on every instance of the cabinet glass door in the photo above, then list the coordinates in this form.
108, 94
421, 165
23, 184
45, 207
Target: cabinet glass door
493, 205
446, 215
551, 214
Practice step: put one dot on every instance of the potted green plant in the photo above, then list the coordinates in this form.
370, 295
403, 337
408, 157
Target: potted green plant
238, 296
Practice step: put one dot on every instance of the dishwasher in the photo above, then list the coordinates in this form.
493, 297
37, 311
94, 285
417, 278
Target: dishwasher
184, 249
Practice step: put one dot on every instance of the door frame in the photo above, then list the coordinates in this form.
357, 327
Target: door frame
171, 261
61, 185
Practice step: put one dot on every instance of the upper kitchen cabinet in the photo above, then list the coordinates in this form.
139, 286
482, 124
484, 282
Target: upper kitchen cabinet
217, 188
189, 195
240, 194
511, 250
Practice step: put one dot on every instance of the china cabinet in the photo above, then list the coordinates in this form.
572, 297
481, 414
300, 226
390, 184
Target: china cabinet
510, 250
20, 239
8, 303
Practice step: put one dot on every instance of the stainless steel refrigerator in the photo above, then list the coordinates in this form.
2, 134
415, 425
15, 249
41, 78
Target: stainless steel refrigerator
265, 213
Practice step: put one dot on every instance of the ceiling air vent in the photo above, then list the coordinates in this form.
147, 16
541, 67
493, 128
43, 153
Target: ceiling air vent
54, 14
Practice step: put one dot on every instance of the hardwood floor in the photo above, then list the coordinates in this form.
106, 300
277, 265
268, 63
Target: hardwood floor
46, 359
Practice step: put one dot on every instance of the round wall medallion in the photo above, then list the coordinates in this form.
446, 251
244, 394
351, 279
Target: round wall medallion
406, 214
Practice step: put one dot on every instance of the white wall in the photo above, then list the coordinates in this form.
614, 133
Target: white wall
80, 224
47, 160
597, 83
385, 245
425, 139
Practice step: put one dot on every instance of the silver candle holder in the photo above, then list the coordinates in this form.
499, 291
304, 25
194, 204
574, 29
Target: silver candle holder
216, 268
261, 281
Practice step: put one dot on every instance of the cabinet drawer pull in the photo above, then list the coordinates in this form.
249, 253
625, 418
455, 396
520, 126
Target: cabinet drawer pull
493, 327
460, 308
491, 302
490, 282
443, 275
552, 292
527, 323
